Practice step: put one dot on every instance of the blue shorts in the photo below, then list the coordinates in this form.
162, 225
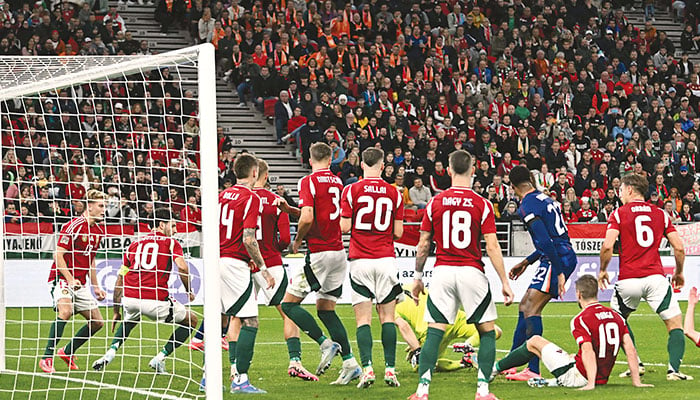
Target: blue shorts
545, 281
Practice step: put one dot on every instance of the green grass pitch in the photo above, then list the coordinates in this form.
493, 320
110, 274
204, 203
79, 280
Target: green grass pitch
268, 371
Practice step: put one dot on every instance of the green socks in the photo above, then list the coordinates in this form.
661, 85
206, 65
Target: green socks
294, 348
80, 338
176, 339
429, 355
232, 352
304, 320
244, 348
487, 355
389, 343
337, 332
676, 348
364, 342
519, 356
122, 333
55, 334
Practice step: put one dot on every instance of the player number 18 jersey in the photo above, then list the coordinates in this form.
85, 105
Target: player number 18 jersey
458, 217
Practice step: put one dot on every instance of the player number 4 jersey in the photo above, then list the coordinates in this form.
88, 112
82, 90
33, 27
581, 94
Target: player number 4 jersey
641, 228
373, 205
239, 209
604, 329
457, 218
321, 190
147, 265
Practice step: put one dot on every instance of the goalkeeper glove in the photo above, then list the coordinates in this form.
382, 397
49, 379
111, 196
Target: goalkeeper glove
413, 357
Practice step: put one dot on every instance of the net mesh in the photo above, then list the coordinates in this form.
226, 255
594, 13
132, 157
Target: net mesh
129, 129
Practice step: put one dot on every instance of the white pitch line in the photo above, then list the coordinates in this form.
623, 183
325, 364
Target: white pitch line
99, 384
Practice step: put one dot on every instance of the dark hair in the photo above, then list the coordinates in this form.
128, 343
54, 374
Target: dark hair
371, 156
244, 165
638, 183
320, 151
460, 162
587, 285
162, 215
519, 175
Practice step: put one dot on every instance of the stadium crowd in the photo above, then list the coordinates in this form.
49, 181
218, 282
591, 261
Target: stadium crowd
573, 90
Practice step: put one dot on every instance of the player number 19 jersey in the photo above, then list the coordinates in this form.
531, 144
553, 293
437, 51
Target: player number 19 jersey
457, 218
373, 205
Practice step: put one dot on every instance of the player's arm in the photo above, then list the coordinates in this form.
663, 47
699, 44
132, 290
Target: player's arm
632, 358
676, 243
286, 208
689, 323
184, 271
407, 333
62, 267
251, 245
589, 364
345, 224
606, 252
520, 267
422, 250
493, 249
306, 220
543, 243
99, 293
283, 228
398, 229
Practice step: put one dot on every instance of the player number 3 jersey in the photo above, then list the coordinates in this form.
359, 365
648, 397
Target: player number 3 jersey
373, 205
321, 190
458, 217
147, 265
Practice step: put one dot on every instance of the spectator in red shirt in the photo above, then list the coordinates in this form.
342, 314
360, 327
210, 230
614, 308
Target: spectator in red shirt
191, 215
585, 214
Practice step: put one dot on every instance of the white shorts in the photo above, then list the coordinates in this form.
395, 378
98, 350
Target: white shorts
323, 273
81, 299
554, 358
237, 299
452, 287
655, 289
375, 279
160, 311
274, 296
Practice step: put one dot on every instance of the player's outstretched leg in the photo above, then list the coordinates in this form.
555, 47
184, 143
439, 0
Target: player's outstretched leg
123, 332
95, 323
244, 355
176, 340
427, 360
351, 369
305, 321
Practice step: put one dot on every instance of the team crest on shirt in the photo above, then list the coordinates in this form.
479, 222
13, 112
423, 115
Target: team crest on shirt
65, 291
85, 238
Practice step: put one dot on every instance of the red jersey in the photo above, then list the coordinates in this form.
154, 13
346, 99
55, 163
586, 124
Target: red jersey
321, 190
81, 241
603, 328
239, 208
641, 228
373, 205
457, 218
273, 229
149, 261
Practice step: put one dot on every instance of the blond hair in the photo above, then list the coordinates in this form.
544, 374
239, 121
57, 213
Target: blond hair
94, 195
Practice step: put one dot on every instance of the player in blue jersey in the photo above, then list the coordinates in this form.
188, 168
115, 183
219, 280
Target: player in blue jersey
556, 256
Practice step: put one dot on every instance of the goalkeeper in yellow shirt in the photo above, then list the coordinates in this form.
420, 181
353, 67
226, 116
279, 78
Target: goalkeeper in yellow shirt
413, 328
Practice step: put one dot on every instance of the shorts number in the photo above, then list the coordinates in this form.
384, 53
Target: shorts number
335, 192
455, 229
645, 236
146, 256
382, 213
559, 221
609, 334
227, 220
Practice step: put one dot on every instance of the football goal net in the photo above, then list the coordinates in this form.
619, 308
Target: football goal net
137, 134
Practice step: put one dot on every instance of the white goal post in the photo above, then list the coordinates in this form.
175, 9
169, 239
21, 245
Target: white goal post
22, 77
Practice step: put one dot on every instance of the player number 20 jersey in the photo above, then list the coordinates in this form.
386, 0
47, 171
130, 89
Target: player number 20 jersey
373, 205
